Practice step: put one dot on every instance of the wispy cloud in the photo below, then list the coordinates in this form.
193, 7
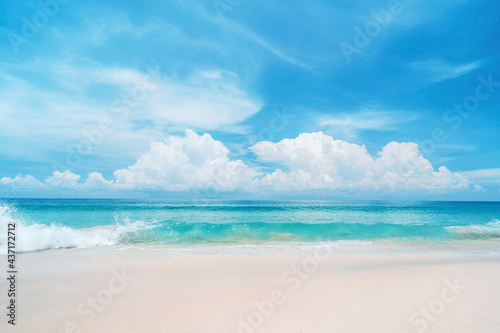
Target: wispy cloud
483, 176
438, 70
456, 147
76, 96
266, 45
349, 126
245, 32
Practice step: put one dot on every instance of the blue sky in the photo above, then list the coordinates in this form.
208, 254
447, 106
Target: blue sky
109, 88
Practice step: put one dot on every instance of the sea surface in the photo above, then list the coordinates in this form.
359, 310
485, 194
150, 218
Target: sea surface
46, 224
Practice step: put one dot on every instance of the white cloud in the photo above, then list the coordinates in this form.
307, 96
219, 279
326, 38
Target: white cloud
491, 176
311, 161
266, 45
95, 181
348, 126
21, 182
186, 163
478, 188
206, 99
317, 161
64, 179
108, 24
245, 33
140, 104
178, 164
438, 70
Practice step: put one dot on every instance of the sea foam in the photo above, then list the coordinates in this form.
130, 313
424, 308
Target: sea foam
33, 236
474, 231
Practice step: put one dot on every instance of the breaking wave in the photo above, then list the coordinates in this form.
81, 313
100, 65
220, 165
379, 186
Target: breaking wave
476, 231
33, 236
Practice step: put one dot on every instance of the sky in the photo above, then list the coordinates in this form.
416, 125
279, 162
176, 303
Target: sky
250, 99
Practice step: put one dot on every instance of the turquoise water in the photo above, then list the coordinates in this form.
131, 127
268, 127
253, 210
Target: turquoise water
54, 223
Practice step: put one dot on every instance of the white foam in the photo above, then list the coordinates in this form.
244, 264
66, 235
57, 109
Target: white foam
33, 236
488, 230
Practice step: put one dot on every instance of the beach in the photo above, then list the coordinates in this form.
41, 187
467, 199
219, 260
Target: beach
116, 289
85, 266
235, 166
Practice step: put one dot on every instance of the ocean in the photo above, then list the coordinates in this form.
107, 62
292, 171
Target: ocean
47, 224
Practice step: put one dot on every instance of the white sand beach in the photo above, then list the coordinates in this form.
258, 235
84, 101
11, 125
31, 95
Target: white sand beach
147, 291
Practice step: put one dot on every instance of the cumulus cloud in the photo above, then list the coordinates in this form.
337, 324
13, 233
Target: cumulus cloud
21, 182
64, 179
177, 164
184, 163
96, 181
58, 180
311, 161
317, 161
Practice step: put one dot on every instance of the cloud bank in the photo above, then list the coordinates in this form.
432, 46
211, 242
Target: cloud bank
311, 161
317, 161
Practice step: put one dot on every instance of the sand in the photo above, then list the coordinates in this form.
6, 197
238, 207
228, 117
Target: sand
111, 290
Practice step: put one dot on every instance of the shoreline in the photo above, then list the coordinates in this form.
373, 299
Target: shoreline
132, 290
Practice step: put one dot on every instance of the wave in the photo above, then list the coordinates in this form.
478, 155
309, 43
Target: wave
35, 237
477, 231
